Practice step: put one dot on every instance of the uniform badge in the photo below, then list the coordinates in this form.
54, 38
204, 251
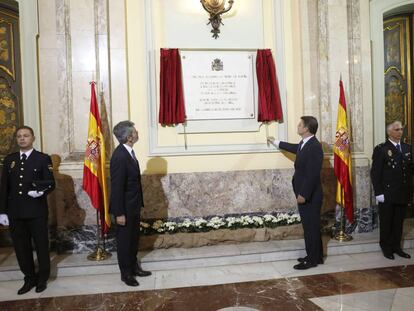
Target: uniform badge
12, 164
390, 153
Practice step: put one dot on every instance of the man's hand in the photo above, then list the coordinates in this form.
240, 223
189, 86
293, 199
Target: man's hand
4, 220
300, 199
380, 198
35, 194
121, 220
274, 142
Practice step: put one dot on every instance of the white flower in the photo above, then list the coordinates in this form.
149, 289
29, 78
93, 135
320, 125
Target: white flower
145, 225
157, 225
270, 218
186, 223
216, 222
258, 220
199, 222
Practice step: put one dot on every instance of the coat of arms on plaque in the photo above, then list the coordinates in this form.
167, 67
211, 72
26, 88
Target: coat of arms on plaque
217, 65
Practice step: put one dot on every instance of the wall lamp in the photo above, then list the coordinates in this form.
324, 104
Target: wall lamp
215, 8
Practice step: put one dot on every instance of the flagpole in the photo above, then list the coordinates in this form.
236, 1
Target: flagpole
341, 236
99, 253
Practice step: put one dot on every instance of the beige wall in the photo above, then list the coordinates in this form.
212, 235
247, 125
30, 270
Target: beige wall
140, 97
114, 48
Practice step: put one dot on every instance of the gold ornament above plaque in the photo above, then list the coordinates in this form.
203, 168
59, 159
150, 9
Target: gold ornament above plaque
215, 8
7, 48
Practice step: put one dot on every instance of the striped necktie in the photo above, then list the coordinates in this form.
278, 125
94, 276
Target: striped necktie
399, 147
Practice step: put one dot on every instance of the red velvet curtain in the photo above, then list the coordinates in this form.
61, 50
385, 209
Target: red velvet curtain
172, 109
270, 108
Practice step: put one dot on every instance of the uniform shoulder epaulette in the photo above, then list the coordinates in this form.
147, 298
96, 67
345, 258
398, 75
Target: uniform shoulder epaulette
380, 145
11, 155
42, 154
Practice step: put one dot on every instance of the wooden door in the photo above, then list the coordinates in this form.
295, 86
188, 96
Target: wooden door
11, 112
397, 72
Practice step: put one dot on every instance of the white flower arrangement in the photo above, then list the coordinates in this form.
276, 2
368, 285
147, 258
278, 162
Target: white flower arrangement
214, 223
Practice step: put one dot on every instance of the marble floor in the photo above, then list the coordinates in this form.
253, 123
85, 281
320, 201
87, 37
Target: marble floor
354, 276
276, 287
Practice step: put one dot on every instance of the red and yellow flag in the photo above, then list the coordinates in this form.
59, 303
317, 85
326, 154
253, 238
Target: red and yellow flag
342, 159
94, 171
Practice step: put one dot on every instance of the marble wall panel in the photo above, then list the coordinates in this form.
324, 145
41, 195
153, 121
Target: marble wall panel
355, 74
72, 219
205, 194
76, 34
334, 50
323, 62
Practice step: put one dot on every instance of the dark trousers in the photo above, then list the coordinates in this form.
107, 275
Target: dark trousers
310, 214
127, 238
22, 232
391, 226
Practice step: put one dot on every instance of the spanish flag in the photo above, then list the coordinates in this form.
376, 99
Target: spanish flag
94, 172
342, 159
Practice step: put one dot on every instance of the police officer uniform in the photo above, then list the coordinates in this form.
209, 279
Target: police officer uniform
391, 173
22, 173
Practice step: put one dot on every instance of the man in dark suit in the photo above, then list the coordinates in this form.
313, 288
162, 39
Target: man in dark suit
126, 201
307, 188
391, 174
27, 178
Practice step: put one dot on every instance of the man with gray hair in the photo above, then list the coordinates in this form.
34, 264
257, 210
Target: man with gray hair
126, 201
391, 173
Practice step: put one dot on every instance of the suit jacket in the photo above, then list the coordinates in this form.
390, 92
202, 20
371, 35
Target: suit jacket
126, 190
391, 172
306, 180
18, 179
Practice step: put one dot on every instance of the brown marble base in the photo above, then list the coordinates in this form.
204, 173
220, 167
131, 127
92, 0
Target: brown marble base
278, 294
221, 236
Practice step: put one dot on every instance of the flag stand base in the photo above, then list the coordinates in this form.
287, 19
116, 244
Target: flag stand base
99, 254
341, 236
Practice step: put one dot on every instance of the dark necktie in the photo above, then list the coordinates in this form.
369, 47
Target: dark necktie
399, 147
133, 156
24, 157
300, 145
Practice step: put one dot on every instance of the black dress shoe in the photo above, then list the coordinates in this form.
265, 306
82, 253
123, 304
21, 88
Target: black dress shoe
40, 287
403, 254
303, 259
304, 265
139, 272
129, 280
389, 256
27, 286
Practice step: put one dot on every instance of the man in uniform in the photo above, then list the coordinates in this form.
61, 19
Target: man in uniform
391, 173
307, 187
126, 201
26, 180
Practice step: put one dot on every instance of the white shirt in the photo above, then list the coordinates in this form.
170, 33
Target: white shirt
129, 148
395, 144
305, 140
27, 153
